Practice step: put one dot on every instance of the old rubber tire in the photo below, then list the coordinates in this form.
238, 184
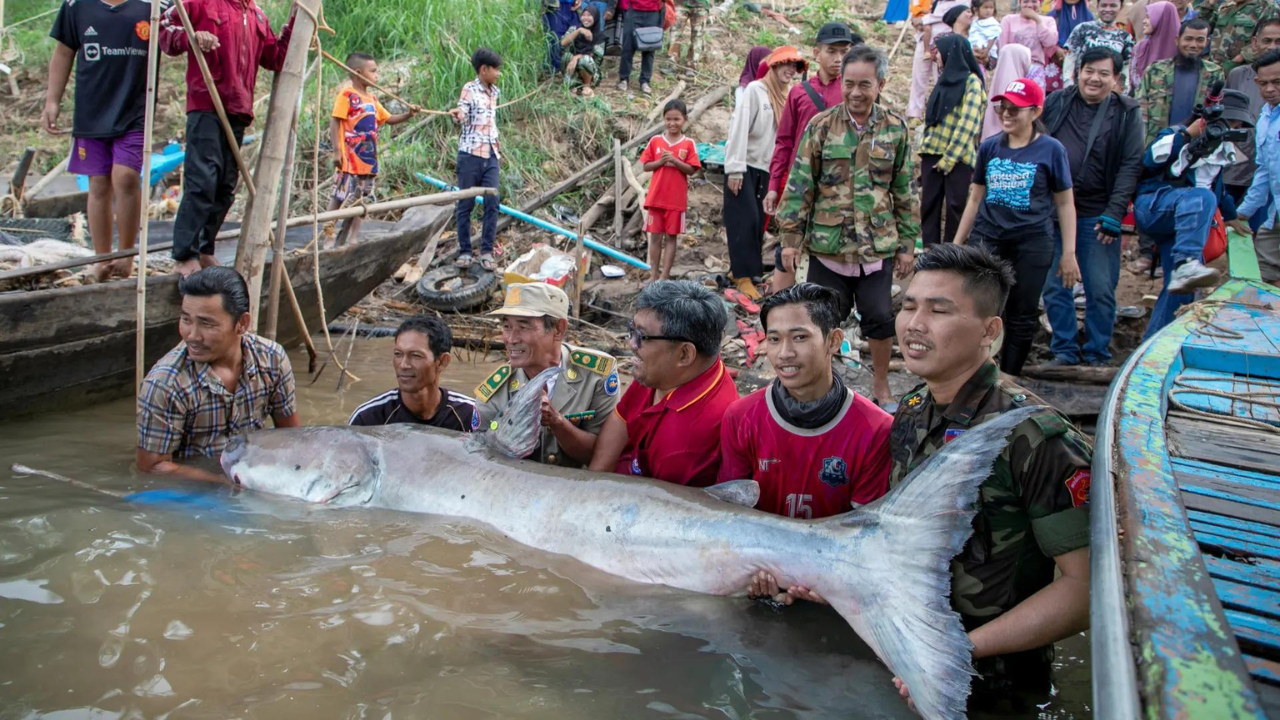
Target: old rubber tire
452, 288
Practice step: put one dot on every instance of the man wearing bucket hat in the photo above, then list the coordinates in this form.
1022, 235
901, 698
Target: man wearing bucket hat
535, 319
1181, 189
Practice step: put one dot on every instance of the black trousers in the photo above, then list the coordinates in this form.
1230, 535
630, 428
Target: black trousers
632, 20
871, 294
744, 223
476, 171
209, 182
938, 191
1030, 256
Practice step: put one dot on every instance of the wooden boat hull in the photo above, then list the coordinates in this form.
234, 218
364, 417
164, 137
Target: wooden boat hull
1186, 519
71, 347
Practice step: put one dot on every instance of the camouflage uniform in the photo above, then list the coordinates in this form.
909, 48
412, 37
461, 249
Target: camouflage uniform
588, 382
1155, 94
849, 195
1032, 508
1231, 24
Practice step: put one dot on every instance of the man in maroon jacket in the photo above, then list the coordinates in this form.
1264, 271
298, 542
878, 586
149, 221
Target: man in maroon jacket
807, 99
236, 40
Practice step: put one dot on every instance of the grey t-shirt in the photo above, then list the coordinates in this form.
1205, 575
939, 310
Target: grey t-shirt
1241, 79
111, 64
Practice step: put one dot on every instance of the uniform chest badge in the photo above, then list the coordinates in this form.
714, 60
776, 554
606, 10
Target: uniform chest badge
914, 401
951, 434
611, 384
835, 472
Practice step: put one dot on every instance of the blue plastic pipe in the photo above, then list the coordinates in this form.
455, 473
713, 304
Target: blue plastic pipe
602, 249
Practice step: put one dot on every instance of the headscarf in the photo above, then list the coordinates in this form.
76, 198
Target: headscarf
958, 63
1069, 16
954, 14
754, 57
1014, 62
597, 31
762, 70
777, 90
1161, 44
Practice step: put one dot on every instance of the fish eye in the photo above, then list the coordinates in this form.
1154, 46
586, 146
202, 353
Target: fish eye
297, 467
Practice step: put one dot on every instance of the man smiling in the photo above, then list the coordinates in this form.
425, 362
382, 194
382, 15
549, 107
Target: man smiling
421, 354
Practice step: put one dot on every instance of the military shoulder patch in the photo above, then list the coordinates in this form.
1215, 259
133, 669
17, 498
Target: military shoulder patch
913, 400
486, 389
611, 384
598, 363
1078, 486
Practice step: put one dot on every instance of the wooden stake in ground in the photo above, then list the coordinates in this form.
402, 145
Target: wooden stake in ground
579, 274
618, 183
252, 252
901, 34
148, 131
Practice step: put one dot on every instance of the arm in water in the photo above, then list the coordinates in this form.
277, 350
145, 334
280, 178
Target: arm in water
610, 444
150, 462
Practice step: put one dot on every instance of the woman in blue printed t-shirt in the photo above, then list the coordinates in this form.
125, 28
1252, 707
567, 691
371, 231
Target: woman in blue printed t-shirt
1021, 176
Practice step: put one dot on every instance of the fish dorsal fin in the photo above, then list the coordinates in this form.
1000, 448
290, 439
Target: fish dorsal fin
739, 492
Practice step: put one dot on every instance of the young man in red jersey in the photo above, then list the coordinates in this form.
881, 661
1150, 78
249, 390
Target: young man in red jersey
816, 447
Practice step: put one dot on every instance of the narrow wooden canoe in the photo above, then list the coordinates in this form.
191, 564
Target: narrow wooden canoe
1186, 517
71, 347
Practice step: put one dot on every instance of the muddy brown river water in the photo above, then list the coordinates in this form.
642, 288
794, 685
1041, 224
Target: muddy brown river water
198, 602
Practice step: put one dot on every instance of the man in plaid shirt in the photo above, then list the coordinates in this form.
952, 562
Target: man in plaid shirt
478, 154
221, 380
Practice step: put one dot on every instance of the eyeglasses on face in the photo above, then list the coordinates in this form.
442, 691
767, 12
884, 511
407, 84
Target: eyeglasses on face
1008, 109
638, 337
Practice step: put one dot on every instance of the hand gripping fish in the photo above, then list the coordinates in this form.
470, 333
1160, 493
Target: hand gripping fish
885, 567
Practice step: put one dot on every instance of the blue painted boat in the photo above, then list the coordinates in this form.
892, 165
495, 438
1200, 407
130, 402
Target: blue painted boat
1186, 515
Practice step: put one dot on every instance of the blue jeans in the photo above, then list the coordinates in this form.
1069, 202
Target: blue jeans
1178, 219
475, 171
1100, 271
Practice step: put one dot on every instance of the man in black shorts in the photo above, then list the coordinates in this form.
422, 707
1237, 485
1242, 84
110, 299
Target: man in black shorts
421, 354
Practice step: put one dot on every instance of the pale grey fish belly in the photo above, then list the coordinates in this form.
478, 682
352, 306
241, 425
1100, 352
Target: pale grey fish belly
885, 567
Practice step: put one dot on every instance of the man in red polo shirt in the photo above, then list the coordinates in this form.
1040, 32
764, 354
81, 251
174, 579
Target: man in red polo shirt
815, 447
667, 424
810, 97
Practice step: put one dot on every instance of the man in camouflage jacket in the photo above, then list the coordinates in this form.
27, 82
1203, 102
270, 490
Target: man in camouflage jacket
1033, 513
1156, 92
1231, 24
848, 204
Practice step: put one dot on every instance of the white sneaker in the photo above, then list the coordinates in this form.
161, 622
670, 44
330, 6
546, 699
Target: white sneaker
1190, 275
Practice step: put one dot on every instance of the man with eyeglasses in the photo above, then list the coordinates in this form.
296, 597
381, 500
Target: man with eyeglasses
1260, 202
535, 319
667, 425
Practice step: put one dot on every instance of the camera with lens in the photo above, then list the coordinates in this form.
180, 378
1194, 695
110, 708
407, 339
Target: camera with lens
1217, 115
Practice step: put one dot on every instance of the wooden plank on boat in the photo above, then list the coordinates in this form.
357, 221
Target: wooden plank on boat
1269, 528
1227, 508
1255, 601
1263, 669
1259, 636
1223, 445
1235, 544
1234, 399
1259, 574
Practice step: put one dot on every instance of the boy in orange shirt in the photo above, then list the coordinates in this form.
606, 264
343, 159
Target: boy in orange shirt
353, 130
672, 158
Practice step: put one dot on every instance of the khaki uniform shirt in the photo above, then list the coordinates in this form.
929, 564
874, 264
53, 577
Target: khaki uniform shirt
588, 382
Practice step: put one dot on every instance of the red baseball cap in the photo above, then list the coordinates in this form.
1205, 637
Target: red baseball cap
1023, 92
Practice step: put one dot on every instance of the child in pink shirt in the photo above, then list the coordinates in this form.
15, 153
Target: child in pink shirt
1036, 32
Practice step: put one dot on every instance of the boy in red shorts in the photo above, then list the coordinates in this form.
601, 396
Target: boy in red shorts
106, 41
672, 158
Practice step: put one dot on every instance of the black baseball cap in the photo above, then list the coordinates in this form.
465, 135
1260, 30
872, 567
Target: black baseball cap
835, 33
1235, 106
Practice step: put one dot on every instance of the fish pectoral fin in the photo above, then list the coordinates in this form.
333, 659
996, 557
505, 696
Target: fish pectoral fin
738, 492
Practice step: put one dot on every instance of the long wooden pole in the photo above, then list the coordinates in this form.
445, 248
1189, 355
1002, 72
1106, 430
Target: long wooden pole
282, 217
619, 182
148, 130
252, 252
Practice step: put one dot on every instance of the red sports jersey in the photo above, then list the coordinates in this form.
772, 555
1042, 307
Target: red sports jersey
669, 188
807, 473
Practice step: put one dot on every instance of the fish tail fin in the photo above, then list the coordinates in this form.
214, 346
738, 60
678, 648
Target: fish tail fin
518, 431
898, 596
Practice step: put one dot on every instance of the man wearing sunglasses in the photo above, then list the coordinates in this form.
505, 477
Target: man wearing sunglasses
667, 425
535, 319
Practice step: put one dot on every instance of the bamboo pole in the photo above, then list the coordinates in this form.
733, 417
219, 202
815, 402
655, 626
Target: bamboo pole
618, 182
148, 130
282, 217
252, 251
579, 272
49, 177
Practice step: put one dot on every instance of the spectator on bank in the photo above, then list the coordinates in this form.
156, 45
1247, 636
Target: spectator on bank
1159, 42
750, 69
1014, 62
952, 123
752, 131
583, 68
1068, 14
638, 15
1261, 206
1103, 32
984, 32
672, 158
1037, 33
558, 17
1266, 37
478, 149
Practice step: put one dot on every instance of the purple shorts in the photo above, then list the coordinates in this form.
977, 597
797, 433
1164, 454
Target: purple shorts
95, 156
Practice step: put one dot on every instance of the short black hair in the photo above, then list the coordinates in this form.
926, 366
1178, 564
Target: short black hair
687, 310
218, 280
822, 304
1193, 24
1269, 22
976, 5
676, 104
484, 57
1094, 54
1269, 58
987, 278
356, 60
439, 336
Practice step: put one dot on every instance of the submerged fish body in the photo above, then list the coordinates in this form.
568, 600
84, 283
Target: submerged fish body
884, 567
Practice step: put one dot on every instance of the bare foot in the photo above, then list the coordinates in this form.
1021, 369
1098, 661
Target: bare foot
186, 267
208, 261
122, 267
101, 271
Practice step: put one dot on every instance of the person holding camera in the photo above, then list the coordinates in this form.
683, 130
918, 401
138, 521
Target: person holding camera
1181, 189
1261, 204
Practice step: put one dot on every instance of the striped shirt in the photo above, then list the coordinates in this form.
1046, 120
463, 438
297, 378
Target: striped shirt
184, 410
454, 412
479, 105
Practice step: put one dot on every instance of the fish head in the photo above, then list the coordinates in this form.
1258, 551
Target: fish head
327, 465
